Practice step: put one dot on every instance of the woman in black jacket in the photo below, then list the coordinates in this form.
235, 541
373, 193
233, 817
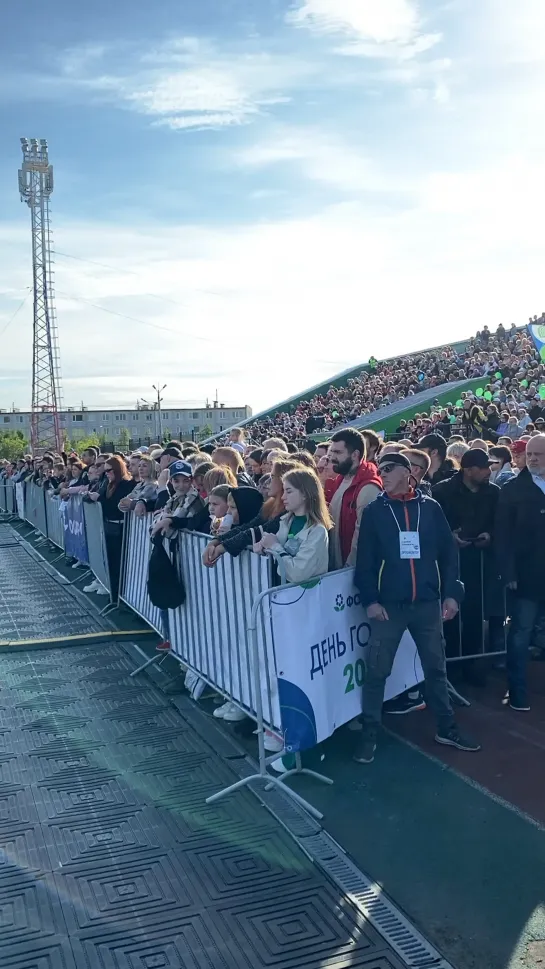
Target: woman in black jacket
120, 484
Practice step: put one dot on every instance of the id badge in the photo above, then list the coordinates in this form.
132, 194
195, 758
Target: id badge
409, 545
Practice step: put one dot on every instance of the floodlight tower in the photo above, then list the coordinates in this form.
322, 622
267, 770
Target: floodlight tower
35, 187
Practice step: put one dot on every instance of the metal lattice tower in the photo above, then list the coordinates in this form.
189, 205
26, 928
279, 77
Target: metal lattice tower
36, 186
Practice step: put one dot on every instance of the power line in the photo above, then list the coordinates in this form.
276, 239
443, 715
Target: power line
134, 319
12, 317
10, 292
133, 272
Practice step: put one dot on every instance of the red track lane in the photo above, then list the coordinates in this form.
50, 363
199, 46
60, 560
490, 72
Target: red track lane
512, 761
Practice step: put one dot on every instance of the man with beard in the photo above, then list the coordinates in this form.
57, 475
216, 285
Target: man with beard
356, 485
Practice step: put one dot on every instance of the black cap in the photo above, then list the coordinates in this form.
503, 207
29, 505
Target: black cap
475, 458
171, 452
395, 458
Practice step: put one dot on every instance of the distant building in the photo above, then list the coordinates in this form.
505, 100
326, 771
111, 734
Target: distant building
141, 423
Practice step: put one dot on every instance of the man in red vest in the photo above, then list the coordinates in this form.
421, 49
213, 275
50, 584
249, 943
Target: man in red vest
356, 485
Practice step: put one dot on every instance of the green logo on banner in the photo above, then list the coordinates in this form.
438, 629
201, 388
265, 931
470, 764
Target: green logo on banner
339, 603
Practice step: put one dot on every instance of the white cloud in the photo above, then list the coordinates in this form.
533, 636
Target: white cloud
340, 284
187, 82
321, 158
373, 28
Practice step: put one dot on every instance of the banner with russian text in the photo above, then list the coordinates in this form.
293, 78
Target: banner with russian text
75, 536
321, 633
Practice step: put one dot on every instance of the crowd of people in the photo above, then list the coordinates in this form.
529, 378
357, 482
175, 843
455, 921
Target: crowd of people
511, 370
444, 525
447, 539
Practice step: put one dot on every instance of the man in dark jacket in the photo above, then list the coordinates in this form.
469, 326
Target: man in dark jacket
441, 467
520, 539
407, 574
469, 502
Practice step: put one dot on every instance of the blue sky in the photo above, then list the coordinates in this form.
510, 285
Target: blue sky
274, 190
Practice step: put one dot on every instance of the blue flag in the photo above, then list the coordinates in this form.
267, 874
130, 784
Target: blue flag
75, 537
537, 332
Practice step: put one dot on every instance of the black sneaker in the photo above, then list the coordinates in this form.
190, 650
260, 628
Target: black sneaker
365, 749
452, 737
406, 703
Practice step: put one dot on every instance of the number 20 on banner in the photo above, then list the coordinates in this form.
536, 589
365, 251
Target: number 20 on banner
355, 674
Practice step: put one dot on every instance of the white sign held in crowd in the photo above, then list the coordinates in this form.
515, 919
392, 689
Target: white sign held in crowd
20, 499
321, 635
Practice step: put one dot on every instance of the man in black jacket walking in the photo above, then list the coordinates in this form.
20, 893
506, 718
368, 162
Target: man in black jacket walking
520, 538
469, 502
407, 574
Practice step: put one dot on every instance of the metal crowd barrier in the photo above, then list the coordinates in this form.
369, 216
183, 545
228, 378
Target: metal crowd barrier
43, 511
7, 496
479, 630
35, 513
55, 530
133, 589
96, 543
220, 634
225, 631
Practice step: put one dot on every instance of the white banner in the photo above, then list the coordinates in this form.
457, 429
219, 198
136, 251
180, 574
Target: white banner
320, 635
20, 499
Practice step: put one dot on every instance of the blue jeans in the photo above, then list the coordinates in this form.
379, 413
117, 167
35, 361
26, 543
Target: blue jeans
166, 624
524, 618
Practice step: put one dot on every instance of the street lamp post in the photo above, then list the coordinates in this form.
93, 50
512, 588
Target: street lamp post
157, 407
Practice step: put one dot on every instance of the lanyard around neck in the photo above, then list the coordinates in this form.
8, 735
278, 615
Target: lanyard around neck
397, 523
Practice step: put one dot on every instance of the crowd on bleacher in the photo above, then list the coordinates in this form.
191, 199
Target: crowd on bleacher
507, 362
421, 519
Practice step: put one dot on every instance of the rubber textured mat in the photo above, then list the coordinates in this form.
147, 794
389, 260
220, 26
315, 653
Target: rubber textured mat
33, 605
8, 536
109, 857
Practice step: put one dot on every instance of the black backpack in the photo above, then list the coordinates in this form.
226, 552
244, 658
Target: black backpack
165, 588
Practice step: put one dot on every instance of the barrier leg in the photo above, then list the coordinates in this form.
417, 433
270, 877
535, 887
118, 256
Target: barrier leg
150, 662
298, 769
109, 607
457, 698
271, 782
263, 774
82, 576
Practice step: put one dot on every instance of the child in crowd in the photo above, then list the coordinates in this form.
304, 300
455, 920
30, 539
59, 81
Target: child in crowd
268, 518
243, 504
218, 509
183, 506
301, 545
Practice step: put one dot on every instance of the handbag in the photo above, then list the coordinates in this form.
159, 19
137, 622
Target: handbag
165, 588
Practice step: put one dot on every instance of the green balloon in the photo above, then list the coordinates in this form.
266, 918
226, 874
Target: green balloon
459, 403
487, 395
524, 383
479, 392
542, 391
498, 375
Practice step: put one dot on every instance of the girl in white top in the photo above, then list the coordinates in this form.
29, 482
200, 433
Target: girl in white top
302, 541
